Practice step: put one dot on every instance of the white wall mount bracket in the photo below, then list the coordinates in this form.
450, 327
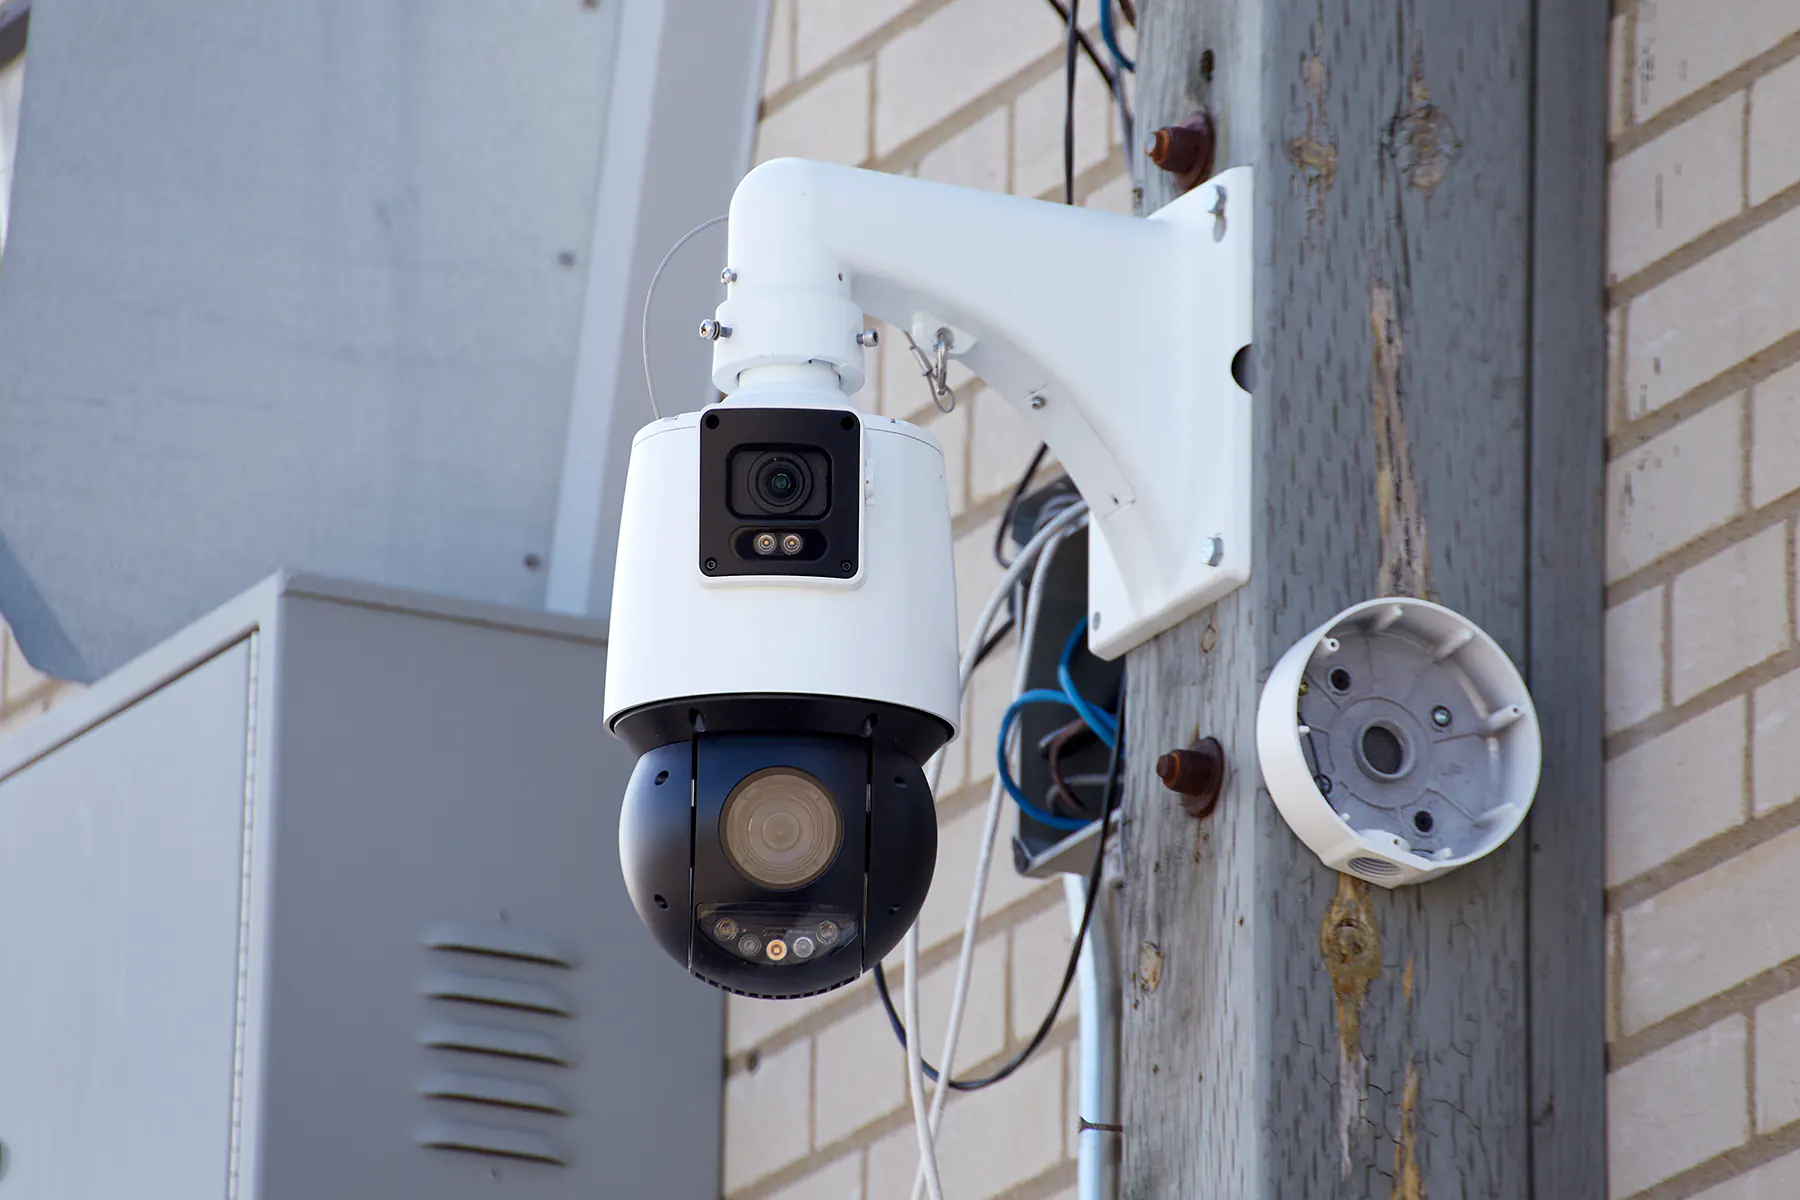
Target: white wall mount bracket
1398, 741
1122, 343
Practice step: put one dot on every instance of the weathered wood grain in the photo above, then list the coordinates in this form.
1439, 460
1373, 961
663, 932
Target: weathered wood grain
1397, 435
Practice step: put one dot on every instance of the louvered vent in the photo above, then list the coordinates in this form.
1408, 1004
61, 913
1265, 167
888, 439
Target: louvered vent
496, 1040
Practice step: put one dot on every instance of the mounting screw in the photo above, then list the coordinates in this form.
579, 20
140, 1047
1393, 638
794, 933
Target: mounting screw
1196, 774
1218, 204
868, 339
728, 276
1036, 401
712, 331
1440, 716
1215, 550
1185, 150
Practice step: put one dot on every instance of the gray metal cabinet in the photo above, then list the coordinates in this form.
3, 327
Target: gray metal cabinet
321, 898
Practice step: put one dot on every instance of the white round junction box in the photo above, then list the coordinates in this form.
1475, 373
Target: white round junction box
1398, 741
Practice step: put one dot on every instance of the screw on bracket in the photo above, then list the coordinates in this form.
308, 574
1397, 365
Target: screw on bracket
1196, 774
1185, 150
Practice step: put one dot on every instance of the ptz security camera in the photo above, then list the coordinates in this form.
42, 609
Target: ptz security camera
783, 650
783, 659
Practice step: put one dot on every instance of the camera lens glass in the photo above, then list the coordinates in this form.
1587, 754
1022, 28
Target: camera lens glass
781, 482
781, 828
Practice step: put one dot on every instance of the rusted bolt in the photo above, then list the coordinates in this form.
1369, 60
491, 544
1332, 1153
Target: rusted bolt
1196, 774
1185, 150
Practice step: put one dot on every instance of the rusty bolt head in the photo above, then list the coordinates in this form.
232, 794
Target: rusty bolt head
1185, 150
1196, 774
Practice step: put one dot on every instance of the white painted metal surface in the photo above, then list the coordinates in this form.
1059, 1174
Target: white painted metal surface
1114, 337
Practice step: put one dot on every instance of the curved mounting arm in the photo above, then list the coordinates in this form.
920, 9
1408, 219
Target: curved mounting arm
1114, 337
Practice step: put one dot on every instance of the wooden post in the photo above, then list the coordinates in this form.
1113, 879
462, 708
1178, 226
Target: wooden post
1429, 388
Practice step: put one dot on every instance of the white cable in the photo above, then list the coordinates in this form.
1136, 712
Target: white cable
1059, 531
915, 1068
925, 1125
649, 295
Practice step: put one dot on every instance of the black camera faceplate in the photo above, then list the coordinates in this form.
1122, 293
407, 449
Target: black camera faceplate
823, 444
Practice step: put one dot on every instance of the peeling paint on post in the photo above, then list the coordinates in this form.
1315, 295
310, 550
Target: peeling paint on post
1350, 945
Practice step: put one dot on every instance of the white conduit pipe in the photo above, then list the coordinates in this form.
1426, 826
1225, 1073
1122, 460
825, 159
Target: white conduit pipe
1097, 979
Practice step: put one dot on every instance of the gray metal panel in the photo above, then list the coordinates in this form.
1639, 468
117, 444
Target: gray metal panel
700, 63
289, 284
120, 862
429, 771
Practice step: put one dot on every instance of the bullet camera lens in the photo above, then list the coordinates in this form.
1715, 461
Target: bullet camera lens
781, 828
781, 483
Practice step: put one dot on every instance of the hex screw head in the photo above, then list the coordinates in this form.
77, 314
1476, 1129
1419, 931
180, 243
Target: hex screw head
728, 276
1215, 550
868, 339
712, 331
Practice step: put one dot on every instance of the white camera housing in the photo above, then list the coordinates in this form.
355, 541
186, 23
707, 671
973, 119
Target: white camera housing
886, 633
1398, 741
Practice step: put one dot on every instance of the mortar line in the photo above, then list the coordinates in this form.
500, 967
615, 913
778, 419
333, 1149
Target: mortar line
1703, 98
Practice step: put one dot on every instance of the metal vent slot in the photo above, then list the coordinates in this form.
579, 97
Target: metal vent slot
497, 941
489, 1039
500, 993
488, 1139
487, 1089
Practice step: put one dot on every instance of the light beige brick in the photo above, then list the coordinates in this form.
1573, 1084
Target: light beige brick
1683, 45
1618, 53
1775, 437
778, 56
1038, 131
749, 1021
990, 691
947, 904
1729, 612
829, 121
1114, 196
1071, 1100
1778, 1062
961, 50
1001, 444
1674, 188
984, 1012
1775, 744
1711, 932
977, 574
951, 429
1676, 1107
990, 1140
22, 681
974, 158
857, 1074
1675, 791
768, 1113
1713, 315
1612, 977
1674, 487
1777, 1180
1040, 954
1634, 659
827, 28
840, 1179
1774, 150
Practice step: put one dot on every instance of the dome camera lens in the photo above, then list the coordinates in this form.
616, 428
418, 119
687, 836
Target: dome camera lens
781, 828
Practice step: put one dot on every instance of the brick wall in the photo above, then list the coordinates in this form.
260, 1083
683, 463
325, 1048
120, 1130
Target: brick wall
967, 92
1702, 666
